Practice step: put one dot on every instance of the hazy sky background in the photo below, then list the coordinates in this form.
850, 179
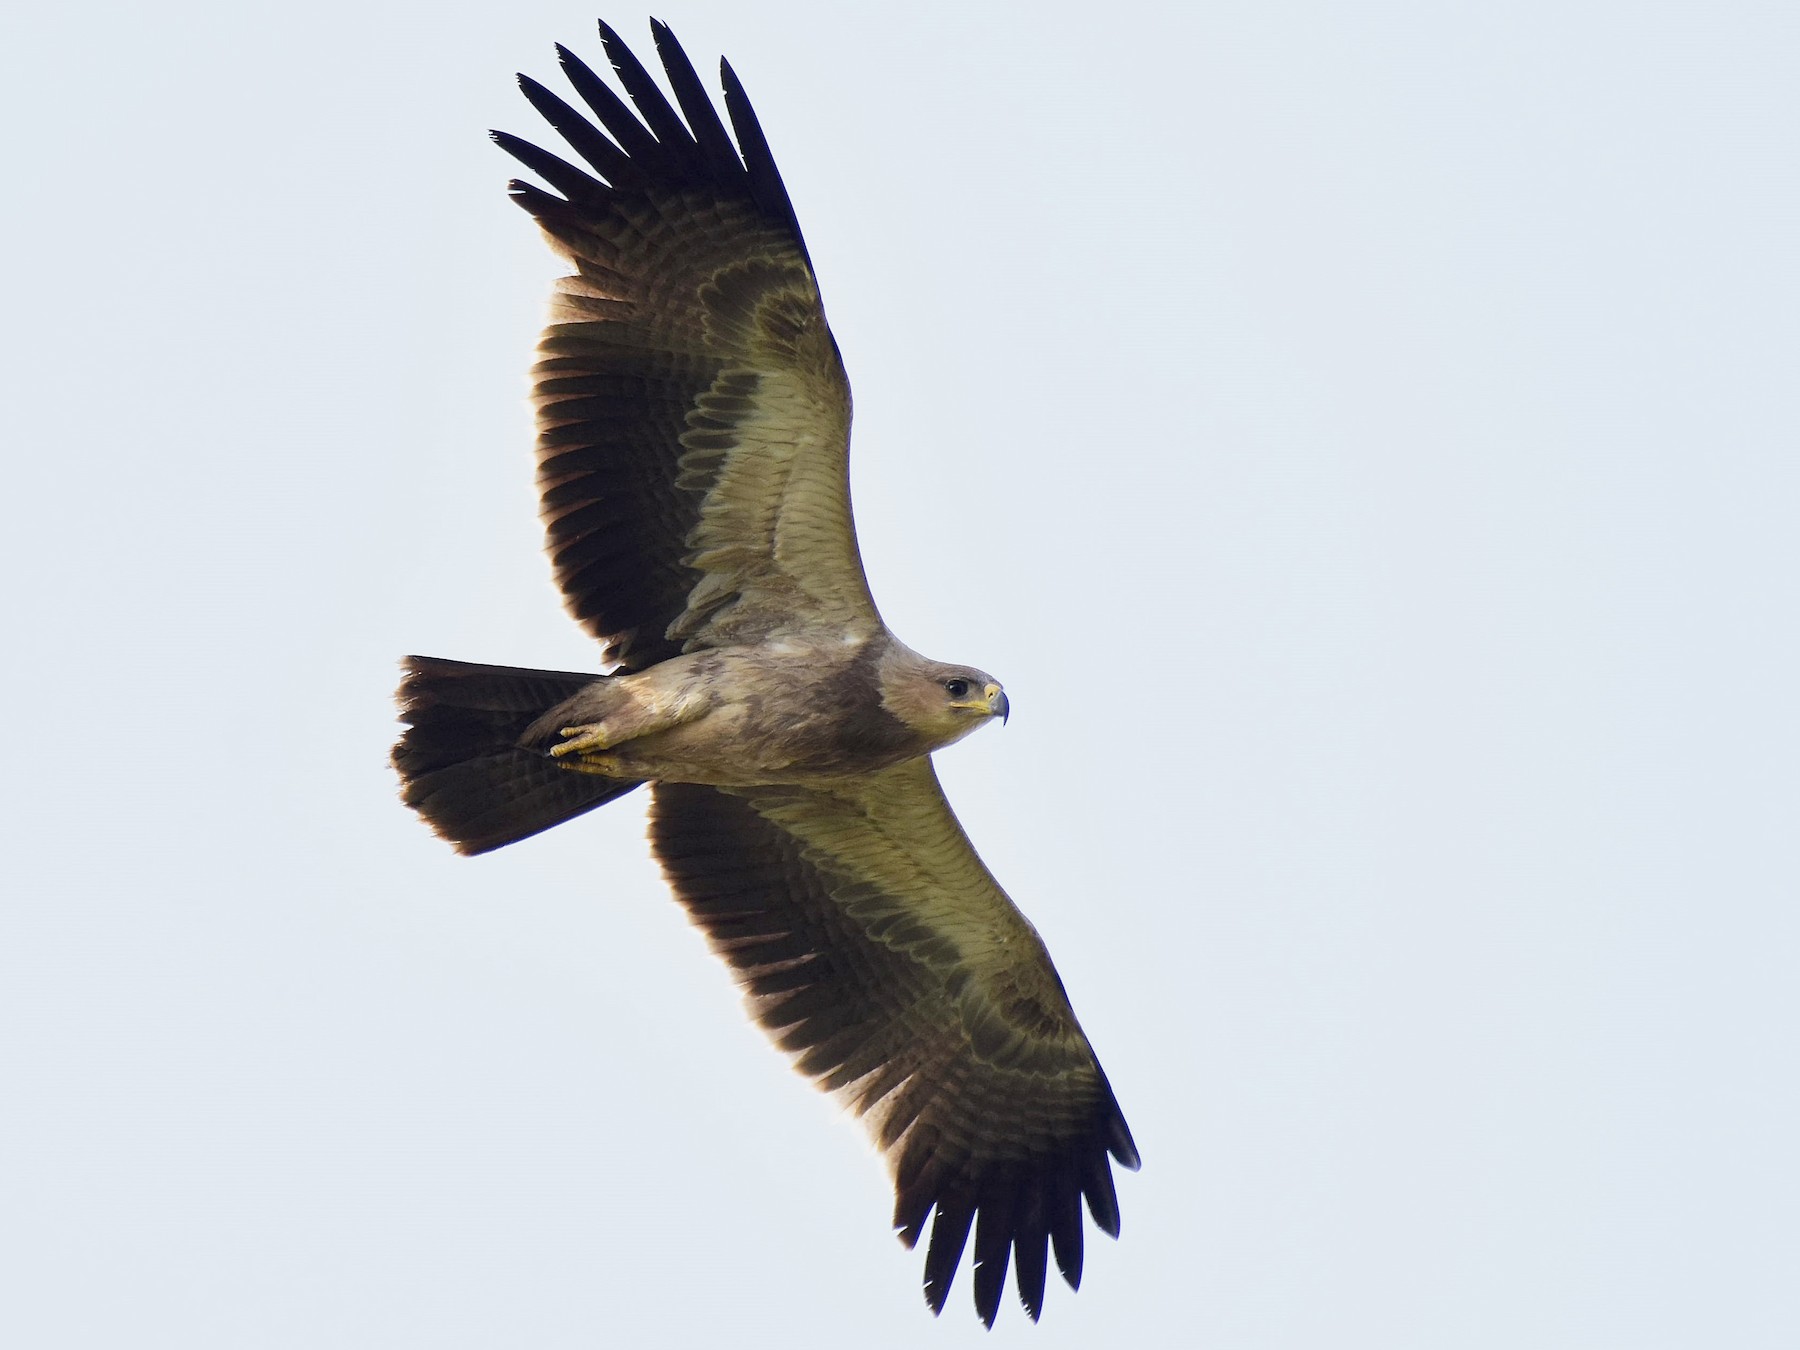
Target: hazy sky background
1365, 439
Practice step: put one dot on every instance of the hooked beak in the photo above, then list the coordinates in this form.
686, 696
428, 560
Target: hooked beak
997, 704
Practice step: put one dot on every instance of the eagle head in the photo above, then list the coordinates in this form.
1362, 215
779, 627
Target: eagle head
942, 703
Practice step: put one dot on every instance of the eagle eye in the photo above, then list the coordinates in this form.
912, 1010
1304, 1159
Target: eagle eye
957, 688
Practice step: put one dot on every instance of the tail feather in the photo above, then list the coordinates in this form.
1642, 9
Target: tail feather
460, 762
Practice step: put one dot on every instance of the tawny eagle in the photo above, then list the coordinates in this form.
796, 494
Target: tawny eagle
693, 440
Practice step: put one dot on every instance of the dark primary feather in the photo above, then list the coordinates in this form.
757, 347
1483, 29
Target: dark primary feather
709, 133
605, 158
634, 139
581, 189
766, 186
641, 85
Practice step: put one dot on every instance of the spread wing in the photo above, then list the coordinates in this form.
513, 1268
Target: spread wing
875, 948
693, 413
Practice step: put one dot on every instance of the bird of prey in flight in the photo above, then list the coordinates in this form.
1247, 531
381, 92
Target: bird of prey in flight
693, 439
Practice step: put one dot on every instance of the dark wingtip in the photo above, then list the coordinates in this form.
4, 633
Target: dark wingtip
993, 1250
1122, 1146
1065, 1231
759, 161
949, 1235
1018, 1212
1031, 1249
1102, 1199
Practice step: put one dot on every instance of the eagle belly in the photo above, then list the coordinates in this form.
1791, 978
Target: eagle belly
787, 711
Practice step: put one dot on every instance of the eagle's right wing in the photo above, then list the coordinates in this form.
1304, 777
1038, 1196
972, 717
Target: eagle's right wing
874, 946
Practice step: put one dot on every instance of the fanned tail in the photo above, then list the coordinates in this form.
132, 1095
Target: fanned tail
460, 763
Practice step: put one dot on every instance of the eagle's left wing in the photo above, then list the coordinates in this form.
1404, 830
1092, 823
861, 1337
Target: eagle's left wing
874, 946
693, 413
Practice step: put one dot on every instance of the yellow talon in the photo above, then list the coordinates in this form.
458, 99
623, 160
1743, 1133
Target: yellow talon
581, 740
602, 766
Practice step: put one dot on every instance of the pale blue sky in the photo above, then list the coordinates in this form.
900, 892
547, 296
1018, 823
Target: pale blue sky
1364, 439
